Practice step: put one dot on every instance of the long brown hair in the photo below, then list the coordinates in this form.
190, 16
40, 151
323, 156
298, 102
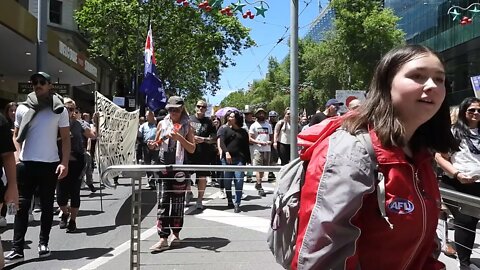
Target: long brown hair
378, 111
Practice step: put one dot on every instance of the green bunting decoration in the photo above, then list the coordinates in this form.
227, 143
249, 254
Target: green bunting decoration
468, 13
230, 10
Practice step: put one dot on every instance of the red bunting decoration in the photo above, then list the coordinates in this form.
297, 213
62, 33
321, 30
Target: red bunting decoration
229, 10
468, 13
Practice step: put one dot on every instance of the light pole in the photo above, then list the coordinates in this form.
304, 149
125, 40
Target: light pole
294, 78
42, 45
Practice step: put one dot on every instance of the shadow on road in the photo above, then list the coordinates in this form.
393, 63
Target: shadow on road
149, 201
95, 230
67, 255
206, 243
83, 213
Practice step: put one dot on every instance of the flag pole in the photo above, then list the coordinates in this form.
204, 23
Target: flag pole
140, 98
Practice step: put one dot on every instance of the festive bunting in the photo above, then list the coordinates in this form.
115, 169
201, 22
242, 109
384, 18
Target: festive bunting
229, 10
468, 13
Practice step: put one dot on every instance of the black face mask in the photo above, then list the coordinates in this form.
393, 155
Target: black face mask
261, 118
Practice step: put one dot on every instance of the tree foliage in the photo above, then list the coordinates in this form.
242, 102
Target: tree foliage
191, 47
363, 32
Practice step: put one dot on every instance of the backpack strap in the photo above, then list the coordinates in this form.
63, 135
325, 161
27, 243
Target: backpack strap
365, 139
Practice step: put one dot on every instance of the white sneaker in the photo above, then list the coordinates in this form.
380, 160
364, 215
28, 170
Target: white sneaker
3, 222
222, 194
160, 245
244, 195
30, 217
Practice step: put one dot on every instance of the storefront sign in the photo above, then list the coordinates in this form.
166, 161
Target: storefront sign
60, 88
76, 58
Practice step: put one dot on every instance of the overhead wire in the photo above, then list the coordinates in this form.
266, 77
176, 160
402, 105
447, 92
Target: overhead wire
280, 40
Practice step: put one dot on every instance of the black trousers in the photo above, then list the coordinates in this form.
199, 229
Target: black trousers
284, 152
149, 157
69, 187
171, 202
30, 175
465, 225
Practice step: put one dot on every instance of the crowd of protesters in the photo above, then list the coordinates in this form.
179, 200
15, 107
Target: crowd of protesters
259, 137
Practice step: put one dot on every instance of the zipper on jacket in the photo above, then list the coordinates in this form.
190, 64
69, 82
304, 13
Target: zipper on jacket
416, 181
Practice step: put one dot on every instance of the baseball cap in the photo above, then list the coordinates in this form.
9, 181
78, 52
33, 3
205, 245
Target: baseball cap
272, 114
333, 102
42, 75
257, 111
174, 102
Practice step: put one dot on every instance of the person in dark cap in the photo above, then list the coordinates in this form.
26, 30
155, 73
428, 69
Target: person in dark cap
174, 139
37, 122
331, 109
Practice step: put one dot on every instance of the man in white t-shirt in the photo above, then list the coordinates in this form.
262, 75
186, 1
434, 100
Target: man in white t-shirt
38, 120
261, 136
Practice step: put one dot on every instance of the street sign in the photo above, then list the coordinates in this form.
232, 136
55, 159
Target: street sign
60, 88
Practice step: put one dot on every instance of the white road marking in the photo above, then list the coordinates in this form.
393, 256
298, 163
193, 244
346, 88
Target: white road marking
239, 220
117, 251
253, 223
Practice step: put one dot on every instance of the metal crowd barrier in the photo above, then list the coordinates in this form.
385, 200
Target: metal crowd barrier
468, 204
136, 172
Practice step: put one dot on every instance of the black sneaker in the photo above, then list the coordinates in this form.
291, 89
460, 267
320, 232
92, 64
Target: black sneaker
258, 186
43, 251
271, 177
13, 257
236, 208
261, 192
63, 221
92, 188
72, 226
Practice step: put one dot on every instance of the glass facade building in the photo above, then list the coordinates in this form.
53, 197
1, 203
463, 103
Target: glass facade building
321, 25
427, 22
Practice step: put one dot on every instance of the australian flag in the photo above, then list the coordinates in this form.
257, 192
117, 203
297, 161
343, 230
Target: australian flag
151, 86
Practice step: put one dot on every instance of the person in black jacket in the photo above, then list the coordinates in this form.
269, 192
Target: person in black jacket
234, 141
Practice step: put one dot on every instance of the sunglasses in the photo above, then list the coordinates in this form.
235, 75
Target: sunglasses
42, 82
176, 110
72, 110
201, 107
473, 110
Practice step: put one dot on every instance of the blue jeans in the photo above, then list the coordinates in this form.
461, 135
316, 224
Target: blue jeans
237, 177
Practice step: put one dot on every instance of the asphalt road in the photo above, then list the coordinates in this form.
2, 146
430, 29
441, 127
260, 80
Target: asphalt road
215, 238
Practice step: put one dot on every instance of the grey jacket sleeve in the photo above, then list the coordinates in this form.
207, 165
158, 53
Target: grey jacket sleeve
347, 177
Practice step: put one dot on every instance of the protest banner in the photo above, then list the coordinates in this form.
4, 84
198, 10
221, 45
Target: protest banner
116, 135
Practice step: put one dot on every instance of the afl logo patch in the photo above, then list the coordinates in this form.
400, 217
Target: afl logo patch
401, 206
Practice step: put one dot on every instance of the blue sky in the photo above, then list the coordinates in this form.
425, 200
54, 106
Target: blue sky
252, 64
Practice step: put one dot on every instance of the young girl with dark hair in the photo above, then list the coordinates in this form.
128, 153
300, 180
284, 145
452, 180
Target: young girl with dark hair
406, 117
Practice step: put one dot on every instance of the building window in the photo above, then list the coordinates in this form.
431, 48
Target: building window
56, 11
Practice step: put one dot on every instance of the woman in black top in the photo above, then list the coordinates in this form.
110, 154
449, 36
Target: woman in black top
235, 151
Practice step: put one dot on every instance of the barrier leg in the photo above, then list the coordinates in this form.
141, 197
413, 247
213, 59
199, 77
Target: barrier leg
136, 220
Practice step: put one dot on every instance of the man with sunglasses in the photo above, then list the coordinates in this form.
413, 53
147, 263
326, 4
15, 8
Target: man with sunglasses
38, 120
331, 109
205, 138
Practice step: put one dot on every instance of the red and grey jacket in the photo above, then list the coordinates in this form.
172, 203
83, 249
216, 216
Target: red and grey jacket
340, 225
